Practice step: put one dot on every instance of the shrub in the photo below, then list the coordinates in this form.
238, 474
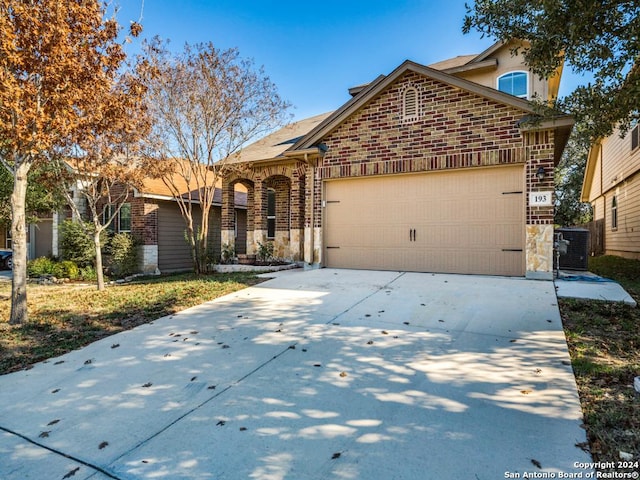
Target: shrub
67, 269
88, 274
41, 266
265, 251
75, 244
228, 253
123, 251
47, 266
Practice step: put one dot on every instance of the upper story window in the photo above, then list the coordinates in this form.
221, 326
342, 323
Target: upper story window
635, 137
514, 83
410, 104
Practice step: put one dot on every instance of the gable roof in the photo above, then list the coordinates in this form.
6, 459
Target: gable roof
454, 62
275, 144
156, 187
563, 121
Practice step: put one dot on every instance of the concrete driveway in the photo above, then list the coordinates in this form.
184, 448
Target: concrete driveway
312, 375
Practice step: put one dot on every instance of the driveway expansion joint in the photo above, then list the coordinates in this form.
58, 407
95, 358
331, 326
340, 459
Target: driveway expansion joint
61, 454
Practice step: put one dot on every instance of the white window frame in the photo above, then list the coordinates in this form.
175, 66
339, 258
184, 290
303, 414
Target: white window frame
514, 72
614, 213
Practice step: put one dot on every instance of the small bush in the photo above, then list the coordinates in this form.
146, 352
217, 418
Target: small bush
47, 266
75, 244
123, 250
87, 274
265, 251
228, 253
41, 266
67, 269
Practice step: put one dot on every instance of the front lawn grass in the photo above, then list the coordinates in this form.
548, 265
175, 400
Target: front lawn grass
604, 343
66, 317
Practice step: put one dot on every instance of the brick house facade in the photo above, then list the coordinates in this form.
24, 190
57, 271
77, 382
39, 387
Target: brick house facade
410, 125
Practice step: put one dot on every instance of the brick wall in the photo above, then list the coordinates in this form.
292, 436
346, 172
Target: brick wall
454, 129
144, 220
540, 146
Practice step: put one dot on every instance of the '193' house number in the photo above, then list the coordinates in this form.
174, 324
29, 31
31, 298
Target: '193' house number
540, 199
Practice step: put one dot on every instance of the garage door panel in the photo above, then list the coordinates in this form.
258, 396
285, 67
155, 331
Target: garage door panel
464, 222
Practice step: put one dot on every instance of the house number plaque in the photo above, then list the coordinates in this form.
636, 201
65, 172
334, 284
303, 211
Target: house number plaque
540, 199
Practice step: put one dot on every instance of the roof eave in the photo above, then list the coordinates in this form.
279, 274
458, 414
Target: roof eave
489, 64
561, 125
589, 171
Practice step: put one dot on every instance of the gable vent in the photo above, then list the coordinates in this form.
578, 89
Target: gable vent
410, 104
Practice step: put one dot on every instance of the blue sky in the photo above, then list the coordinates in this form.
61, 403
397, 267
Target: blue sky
315, 50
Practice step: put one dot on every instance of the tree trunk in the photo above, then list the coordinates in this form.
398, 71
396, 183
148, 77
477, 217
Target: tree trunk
204, 240
99, 273
19, 245
195, 250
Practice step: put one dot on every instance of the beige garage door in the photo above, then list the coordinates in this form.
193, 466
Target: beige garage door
469, 221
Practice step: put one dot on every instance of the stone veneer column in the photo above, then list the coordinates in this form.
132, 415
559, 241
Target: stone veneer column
296, 227
313, 217
251, 244
260, 214
227, 227
539, 219
144, 226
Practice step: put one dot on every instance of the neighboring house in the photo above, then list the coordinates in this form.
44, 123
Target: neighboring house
425, 169
153, 216
612, 186
157, 220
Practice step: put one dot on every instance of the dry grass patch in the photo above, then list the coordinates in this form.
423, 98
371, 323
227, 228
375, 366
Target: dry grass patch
66, 317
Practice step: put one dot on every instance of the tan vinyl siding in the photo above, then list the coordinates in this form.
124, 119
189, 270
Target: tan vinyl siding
507, 63
624, 240
618, 160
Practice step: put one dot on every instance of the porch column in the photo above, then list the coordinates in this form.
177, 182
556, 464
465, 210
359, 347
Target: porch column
251, 244
227, 227
313, 217
296, 228
539, 200
260, 214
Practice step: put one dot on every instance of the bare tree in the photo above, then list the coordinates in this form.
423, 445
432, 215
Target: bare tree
205, 104
58, 62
